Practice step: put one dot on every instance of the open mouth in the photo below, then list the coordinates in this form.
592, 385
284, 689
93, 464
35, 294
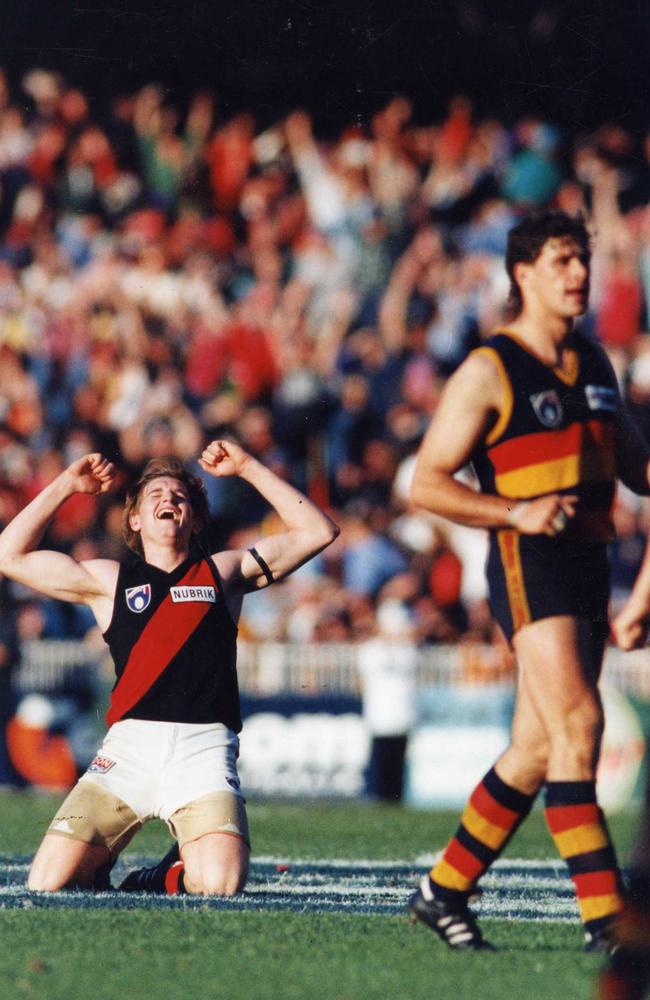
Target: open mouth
166, 515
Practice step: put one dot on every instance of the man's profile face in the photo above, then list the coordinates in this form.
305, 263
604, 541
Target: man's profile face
557, 281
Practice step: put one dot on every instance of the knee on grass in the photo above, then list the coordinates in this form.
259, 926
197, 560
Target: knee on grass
50, 882
214, 883
43, 884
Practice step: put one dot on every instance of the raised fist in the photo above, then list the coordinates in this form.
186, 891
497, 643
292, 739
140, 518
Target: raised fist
92, 474
223, 458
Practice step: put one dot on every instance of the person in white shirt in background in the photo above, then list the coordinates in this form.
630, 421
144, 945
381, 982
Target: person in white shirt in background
388, 666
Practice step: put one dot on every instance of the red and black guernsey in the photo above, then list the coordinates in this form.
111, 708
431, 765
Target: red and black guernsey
174, 645
555, 432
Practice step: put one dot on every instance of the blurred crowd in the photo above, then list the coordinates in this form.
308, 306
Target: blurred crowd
169, 274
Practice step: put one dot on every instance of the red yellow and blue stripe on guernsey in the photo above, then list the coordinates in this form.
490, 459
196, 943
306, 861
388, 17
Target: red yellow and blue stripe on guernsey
547, 461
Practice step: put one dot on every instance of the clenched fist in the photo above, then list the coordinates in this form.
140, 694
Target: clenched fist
92, 474
223, 458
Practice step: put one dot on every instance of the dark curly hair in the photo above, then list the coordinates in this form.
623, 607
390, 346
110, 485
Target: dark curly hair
174, 468
526, 239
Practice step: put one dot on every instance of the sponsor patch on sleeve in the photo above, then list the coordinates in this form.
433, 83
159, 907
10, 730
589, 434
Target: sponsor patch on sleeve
601, 397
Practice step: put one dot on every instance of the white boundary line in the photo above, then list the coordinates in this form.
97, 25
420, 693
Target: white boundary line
516, 889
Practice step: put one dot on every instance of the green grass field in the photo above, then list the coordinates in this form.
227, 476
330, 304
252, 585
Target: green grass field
214, 954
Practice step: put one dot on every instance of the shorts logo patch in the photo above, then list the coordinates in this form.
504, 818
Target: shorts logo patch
547, 407
180, 595
100, 765
62, 826
138, 598
601, 397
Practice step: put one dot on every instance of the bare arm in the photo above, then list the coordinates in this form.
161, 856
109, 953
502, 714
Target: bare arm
631, 625
308, 530
469, 407
53, 573
632, 453
394, 304
632, 457
425, 249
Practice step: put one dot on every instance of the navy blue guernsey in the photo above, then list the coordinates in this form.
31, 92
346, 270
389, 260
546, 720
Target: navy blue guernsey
556, 431
174, 646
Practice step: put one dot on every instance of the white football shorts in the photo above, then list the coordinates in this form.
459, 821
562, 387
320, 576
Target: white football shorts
157, 767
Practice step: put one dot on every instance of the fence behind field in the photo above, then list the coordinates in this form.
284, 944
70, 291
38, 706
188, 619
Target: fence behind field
304, 732
269, 669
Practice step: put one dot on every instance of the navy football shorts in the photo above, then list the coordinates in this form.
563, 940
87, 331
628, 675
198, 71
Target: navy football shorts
531, 577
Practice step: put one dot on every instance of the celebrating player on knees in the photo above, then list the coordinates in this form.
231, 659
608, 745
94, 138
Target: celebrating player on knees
169, 616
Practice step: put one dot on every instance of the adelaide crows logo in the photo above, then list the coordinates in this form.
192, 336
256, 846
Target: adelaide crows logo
547, 407
138, 598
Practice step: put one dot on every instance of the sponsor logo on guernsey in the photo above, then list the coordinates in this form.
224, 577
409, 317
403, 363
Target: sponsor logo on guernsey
138, 598
100, 765
601, 397
547, 407
179, 595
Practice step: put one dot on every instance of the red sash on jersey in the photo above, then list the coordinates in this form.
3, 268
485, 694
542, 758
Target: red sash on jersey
168, 628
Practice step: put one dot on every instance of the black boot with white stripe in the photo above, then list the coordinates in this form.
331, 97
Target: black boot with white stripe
449, 916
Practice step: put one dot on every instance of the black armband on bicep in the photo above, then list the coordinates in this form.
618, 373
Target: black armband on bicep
262, 565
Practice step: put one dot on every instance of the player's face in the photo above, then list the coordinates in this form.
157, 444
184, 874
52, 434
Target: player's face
164, 511
558, 280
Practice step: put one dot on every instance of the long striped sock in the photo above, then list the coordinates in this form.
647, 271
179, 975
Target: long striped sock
490, 818
581, 836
